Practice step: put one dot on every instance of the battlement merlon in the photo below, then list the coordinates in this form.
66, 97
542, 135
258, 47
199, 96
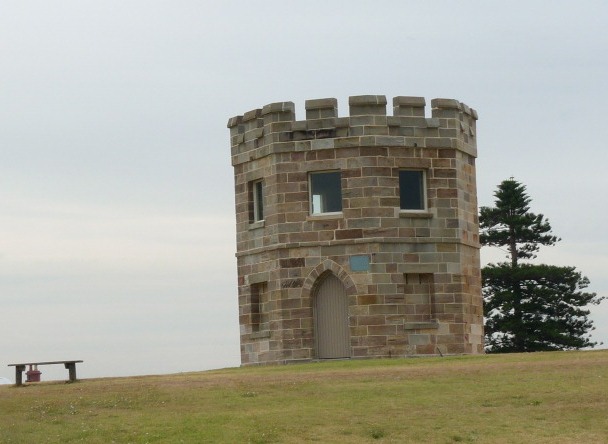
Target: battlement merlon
451, 125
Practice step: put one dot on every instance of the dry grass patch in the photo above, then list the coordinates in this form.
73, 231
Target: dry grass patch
534, 398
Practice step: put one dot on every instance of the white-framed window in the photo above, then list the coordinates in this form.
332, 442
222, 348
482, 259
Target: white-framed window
325, 192
257, 201
412, 190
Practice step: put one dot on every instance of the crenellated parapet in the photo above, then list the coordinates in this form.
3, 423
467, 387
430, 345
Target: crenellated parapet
274, 127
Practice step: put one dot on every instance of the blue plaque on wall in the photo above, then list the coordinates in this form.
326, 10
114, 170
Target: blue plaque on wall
359, 263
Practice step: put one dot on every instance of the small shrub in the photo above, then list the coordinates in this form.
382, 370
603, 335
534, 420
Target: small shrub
377, 433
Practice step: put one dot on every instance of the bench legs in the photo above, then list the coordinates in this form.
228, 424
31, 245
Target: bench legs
19, 369
71, 366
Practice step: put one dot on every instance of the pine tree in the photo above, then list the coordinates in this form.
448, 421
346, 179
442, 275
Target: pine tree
529, 307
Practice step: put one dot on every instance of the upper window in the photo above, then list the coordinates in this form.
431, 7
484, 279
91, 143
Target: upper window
412, 190
257, 201
325, 192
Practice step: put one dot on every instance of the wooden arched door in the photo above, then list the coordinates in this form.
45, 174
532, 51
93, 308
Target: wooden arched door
331, 319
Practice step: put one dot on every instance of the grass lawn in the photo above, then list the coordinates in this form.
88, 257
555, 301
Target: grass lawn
517, 398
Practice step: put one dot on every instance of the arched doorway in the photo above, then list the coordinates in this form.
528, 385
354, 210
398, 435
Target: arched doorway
331, 319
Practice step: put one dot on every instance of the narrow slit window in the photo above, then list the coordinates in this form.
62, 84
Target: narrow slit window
257, 209
419, 297
325, 192
258, 300
411, 190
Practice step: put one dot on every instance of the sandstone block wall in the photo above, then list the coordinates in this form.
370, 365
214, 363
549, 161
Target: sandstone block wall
411, 278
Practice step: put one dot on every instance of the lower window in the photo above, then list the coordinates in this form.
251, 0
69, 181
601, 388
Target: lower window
258, 301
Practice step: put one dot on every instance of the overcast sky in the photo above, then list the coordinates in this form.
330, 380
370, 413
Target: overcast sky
117, 234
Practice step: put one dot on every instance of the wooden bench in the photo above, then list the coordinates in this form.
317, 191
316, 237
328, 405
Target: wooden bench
20, 368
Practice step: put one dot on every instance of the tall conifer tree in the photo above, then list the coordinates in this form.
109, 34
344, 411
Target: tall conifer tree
529, 307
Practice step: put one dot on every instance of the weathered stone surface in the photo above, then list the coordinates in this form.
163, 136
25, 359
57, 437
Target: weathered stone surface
421, 293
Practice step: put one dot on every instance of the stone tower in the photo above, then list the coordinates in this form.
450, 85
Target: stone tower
357, 236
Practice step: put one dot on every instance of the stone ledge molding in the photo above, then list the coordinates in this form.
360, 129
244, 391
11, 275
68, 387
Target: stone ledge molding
359, 241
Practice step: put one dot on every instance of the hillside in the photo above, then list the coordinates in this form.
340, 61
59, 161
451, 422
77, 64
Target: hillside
533, 398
